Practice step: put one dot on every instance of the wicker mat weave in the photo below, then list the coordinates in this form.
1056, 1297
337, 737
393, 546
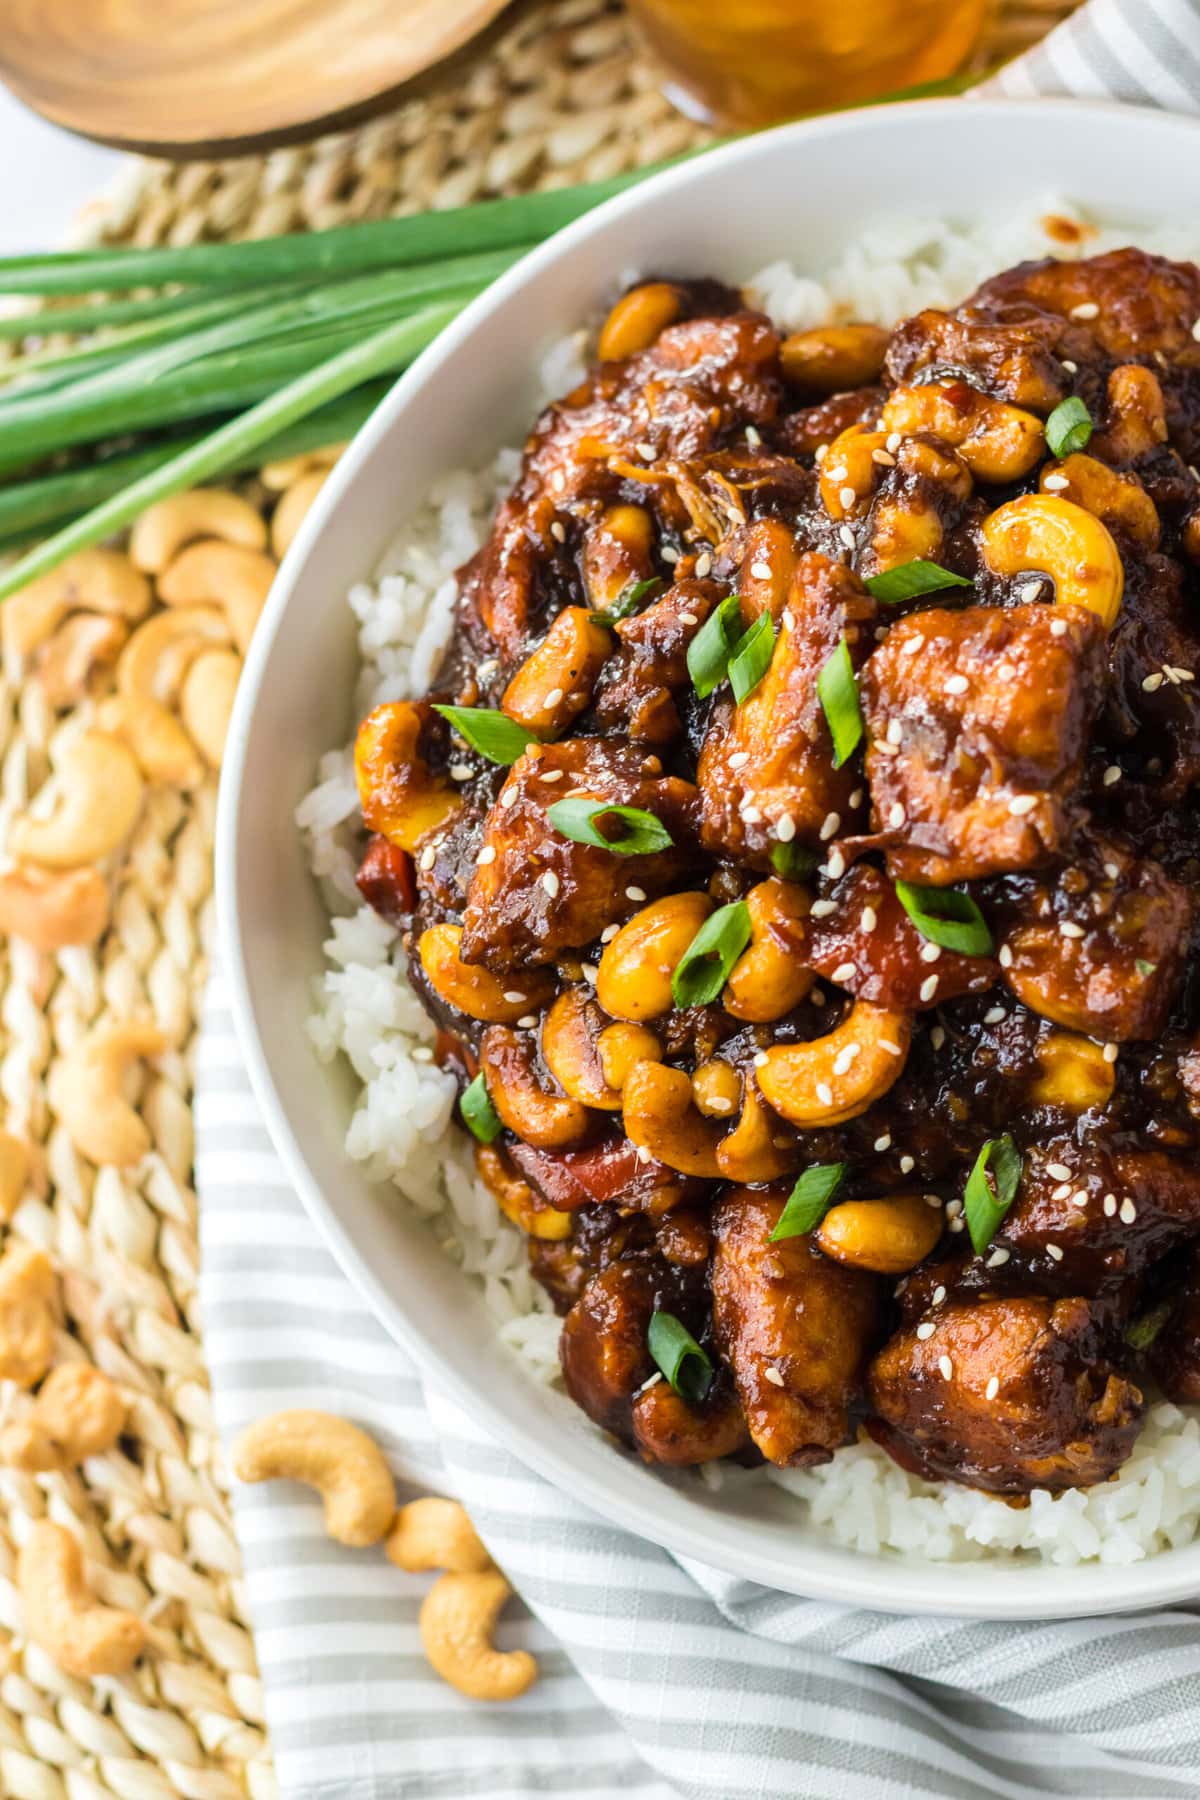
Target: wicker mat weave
557, 96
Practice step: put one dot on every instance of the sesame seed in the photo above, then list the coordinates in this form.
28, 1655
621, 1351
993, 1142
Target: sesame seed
1069, 928
1111, 1053
895, 732
1005, 672
835, 471
739, 759
553, 775
514, 996
998, 1258
937, 1036
847, 496
635, 893
1110, 1206
487, 669
688, 619
760, 1060
527, 1021
1195, 331
953, 1208
993, 1015
907, 1165
1030, 590
510, 796
1128, 1212
896, 815
891, 1049
845, 1058
946, 1367
992, 1388
1054, 484
1152, 683
957, 684
771, 1374
461, 771
857, 797
787, 620
753, 436
932, 1200
820, 453
1005, 957
836, 865
939, 1294
884, 458
646, 450
1054, 1252
762, 570
427, 858
911, 645
1020, 804
830, 826
824, 1093
550, 883
1059, 1171
719, 1104
785, 828
1058, 628
883, 1143
486, 855
1079, 1199
1112, 775
869, 919
926, 1330
558, 481
669, 554
422, 1053
929, 987
703, 564
1087, 309
553, 698
609, 933
893, 441
821, 909
1061, 1191
1072, 368
643, 1155
752, 814
847, 536
931, 953
1112, 871
558, 532
652, 1382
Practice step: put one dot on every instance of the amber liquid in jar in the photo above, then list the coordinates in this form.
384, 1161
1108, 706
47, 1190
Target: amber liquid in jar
743, 63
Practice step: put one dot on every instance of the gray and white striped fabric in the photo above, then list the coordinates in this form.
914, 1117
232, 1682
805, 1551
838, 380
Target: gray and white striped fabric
660, 1680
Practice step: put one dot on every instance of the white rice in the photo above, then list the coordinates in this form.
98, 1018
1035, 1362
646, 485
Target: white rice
364, 1009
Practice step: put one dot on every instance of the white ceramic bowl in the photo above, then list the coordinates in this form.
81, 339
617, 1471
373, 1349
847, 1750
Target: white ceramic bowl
803, 192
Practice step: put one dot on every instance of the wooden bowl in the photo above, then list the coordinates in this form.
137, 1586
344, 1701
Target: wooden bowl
207, 77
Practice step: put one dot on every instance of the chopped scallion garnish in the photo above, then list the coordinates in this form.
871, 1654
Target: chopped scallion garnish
809, 1200
627, 601
948, 917
625, 830
837, 688
1145, 969
479, 1115
991, 1189
709, 651
751, 657
686, 1365
793, 861
492, 733
1069, 427
1141, 1332
704, 967
912, 579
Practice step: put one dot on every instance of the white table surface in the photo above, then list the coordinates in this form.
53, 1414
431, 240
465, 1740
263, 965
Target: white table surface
48, 176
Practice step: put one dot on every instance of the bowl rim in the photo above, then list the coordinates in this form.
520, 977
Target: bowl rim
915, 1587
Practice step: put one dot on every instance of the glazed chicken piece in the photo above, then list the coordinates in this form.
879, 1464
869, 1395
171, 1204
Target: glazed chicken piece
795, 1328
668, 1429
977, 722
1154, 663
602, 1348
1102, 946
771, 758
536, 893
636, 692
1132, 304
1013, 362
1005, 1395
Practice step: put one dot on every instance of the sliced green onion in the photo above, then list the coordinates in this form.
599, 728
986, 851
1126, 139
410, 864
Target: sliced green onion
948, 917
492, 733
809, 1200
709, 651
912, 579
837, 689
985, 1201
1069, 427
751, 657
627, 601
1145, 969
1141, 1332
704, 967
479, 1115
686, 1365
637, 833
793, 861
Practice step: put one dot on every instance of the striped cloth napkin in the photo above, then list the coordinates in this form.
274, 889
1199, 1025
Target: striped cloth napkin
660, 1680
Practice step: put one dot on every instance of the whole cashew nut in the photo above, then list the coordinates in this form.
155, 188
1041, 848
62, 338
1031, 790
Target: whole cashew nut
98, 801
86, 1090
890, 1235
769, 979
832, 358
287, 470
162, 747
347, 1468
103, 581
457, 1618
14, 1173
1115, 498
516, 1199
751, 1152
51, 910
998, 442
78, 1412
435, 1533
545, 1119
206, 700
215, 574
293, 508
662, 1122
565, 664
68, 662
164, 528
1043, 533
471, 988
849, 470
637, 319
28, 1291
570, 1031
400, 794
834, 1078
157, 656
83, 1637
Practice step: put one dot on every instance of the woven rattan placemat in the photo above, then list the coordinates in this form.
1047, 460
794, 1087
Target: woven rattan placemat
558, 96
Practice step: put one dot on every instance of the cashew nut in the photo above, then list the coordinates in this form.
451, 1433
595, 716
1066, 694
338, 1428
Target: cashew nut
1043, 533
293, 508
616, 551
769, 978
834, 1078
457, 1618
78, 1412
1073, 1073
1115, 498
99, 796
716, 1088
890, 1236
834, 357
102, 581
907, 522
571, 1051
213, 573
516, 1199
637, 319
206, 700
14, 1173
1137, 415
399, 793
286, 470
156, 658
474, 990
768, 565
83, 1636
164, 528
620, 1046
849, 470
554, 684
661, 1120
634, 979
51, 910
547, 1120
752, 1151
998, 442
28, 1291
83, 645
434, 1533
162, 747
346, 1467
86, 1090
